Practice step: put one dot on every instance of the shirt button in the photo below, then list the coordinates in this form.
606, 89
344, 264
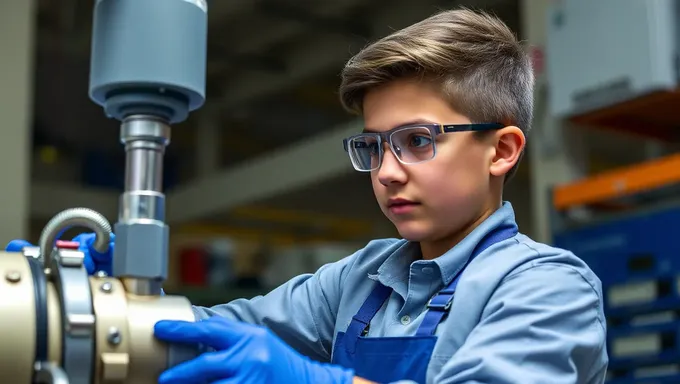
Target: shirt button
427, 270
406, 319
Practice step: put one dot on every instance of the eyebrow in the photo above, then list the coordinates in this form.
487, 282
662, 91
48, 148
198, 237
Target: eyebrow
413, 122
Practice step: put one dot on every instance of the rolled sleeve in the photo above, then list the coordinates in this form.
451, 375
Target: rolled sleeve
541, 325
301, 312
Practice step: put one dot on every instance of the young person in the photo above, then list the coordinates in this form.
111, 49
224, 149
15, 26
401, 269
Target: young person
464, 297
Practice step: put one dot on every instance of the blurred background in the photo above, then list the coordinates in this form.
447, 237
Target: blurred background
259, 188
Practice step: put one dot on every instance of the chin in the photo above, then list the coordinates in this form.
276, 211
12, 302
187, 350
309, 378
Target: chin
413, 231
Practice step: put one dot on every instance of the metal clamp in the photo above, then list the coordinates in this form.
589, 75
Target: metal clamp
70, 218
73, 287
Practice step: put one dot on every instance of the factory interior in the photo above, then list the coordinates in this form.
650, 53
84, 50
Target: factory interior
259, 189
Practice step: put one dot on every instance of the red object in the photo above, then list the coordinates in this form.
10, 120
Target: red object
193, 267
66, 244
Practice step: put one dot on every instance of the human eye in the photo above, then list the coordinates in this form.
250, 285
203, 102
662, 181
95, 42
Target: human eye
420, 140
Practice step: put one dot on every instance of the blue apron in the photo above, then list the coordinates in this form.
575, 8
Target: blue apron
390, 359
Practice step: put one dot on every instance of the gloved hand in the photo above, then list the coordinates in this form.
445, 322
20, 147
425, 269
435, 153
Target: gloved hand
244, 354
94, 261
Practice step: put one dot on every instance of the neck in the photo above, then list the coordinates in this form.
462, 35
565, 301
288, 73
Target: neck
433, 249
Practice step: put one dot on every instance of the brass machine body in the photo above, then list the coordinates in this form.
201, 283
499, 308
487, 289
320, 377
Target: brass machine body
59, 325
113, 343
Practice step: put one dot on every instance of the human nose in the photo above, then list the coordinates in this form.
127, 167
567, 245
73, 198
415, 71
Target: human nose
391, 171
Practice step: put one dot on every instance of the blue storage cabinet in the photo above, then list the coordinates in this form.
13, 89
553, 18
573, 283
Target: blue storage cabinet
637, 257
638, 246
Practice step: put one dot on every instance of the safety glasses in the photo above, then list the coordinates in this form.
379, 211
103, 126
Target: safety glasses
410, 144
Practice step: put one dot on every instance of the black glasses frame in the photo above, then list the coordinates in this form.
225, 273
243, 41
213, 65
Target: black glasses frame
435, 129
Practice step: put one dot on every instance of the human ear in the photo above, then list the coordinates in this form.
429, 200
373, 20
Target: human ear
509, 143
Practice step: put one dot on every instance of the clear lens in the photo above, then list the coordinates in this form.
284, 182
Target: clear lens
413, 145
365, 152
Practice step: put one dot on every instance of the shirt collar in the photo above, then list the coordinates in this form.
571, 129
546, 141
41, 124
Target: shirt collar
451, 262
394, 271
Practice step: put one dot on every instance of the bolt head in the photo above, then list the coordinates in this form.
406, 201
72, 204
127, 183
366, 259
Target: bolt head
106, 287
114, 337
13, 276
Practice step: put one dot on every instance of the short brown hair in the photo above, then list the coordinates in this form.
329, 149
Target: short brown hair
473, 57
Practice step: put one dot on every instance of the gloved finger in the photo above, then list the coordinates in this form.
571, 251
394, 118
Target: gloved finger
231, 380
83, 246
86, 241
202, 332
92, 257
89, 265
203, 369
216, 332
99, 257
17, 245
86, 244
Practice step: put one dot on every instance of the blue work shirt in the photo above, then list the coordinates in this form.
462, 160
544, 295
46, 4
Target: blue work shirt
524, 312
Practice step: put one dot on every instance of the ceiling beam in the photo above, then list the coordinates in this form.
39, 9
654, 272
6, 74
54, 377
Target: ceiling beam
320, 53
312, 160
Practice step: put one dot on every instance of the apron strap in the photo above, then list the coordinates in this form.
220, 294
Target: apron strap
439, 305
361, 320
437, 308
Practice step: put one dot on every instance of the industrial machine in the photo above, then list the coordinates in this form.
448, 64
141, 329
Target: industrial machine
147, 71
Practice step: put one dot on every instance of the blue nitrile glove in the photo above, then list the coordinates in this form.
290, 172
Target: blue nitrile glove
94, 261
244, 354
17, 245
